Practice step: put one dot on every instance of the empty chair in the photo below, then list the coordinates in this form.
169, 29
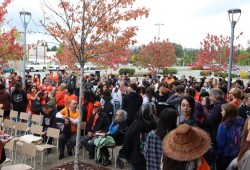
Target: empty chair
13, 115
8, 127
27, 150
20, 127
24, 116
37, 119
51, 133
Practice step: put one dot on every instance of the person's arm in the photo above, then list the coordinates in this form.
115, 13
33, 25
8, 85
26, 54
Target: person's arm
59, 115
221, 138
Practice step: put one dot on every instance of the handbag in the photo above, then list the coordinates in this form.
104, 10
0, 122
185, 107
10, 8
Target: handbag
36, 106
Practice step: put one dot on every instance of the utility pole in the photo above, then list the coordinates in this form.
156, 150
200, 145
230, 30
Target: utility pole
159, 29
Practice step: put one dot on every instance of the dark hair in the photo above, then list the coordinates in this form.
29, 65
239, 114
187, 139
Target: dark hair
18, 86
172, 164
230, 112
167, 122
150, 93
180, 89
2, 86
204, 94
88, 96
143, 90
106, 95
70, 89
190, 100
133, 86
46, 106
31, 87
197, 87
190, 91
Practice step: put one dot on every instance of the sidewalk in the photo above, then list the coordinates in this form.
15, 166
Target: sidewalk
52, 162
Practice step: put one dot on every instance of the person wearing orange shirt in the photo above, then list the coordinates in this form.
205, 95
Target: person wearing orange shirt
169, 79
60, 103
72, 114
87, 106
235, 94
46, 87
69, 95
36, 80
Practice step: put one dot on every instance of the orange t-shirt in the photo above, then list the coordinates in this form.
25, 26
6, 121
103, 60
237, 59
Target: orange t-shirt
236, 103
45, 88
67, 98
89, 109
60, 98
29, 97
197, 96
73, 115
169, 81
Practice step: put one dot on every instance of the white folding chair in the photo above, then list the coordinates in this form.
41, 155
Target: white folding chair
1, 117
24, 116
27, 149
37, 119
8, 127
13, 115
51, 133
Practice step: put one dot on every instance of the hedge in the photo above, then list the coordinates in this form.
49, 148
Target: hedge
221, 74
205, 73
125, 71
196, 68
169, 71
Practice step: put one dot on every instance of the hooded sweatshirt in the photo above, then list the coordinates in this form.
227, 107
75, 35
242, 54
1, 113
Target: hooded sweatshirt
19, 100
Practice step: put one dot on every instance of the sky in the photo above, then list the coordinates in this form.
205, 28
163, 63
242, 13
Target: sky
185, 22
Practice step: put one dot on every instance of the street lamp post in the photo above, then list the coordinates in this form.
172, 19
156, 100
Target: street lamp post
25, 18
231, 13
159, 29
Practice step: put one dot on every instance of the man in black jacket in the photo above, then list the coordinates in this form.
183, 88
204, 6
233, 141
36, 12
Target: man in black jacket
131, 103
98, 123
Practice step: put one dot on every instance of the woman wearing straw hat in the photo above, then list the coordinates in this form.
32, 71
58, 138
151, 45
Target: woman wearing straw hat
184, 147
136, 136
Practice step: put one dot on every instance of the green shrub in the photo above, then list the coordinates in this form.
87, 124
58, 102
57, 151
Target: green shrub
169, 71
125, 71
222, 74
205, 73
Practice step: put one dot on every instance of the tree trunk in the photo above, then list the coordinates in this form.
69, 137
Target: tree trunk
78, 135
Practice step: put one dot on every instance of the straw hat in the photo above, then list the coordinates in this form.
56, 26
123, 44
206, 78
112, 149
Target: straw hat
186, 143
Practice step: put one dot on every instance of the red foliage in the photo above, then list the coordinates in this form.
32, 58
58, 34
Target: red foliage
156, 55
214, 49
9, 48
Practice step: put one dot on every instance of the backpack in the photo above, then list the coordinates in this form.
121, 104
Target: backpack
235, 139
36, 106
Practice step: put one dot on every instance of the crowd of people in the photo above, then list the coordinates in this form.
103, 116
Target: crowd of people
161, 122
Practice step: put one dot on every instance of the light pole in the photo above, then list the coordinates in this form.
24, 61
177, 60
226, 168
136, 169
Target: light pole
231, 13
25, 18
159, 29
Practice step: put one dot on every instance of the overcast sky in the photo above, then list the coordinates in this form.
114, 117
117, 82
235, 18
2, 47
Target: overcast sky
185, 22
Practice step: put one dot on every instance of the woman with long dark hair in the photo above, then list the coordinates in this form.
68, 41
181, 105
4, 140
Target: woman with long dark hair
228, 136
153, 144
136, 136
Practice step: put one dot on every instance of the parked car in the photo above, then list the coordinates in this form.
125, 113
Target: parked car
35, 66
53, 67
6, 68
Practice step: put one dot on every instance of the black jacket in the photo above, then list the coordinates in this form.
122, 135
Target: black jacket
19, 100
131, 104
244, 111
48, 119
102, 123
132, 148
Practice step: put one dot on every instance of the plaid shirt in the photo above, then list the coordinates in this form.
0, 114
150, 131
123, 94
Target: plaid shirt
153, 151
